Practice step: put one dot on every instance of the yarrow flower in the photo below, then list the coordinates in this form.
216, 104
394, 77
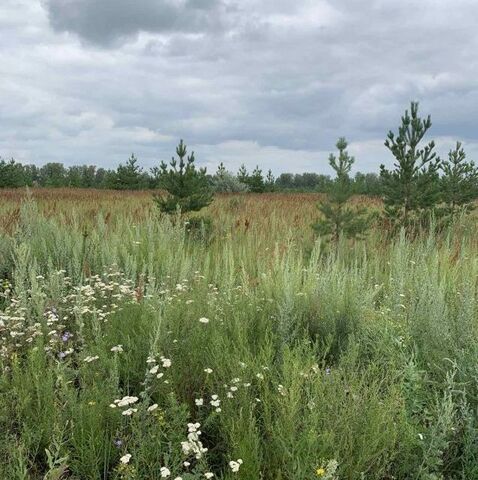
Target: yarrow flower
204, 320
90, 359
125, 401
153, 407
129, 411
165, 472
125, 458
235, 465
209, 474
166, 362
117, 349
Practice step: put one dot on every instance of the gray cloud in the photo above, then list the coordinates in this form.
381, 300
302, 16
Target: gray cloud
108, 22
273, 82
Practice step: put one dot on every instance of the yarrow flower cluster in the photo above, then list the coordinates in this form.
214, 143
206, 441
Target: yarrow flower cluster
235, 465
193, 445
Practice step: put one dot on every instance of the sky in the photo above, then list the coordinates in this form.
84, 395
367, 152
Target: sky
268, 82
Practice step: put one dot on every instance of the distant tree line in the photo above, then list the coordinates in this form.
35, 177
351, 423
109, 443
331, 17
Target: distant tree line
130, 176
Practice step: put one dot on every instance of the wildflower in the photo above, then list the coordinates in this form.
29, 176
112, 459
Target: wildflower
215, 402
165, 472
166, 362
208, 370
235, 465
129, 411
125, 458
209, 474
118, 442
199, 402
204, 320
153, 407
160, 375
154, 369
66, 336
90, 359
193, 427
186, 464
281, 390
125, 401
320, 472
117, 349
260, 376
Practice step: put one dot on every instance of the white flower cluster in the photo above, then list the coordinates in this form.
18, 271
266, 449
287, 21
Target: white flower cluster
193, 445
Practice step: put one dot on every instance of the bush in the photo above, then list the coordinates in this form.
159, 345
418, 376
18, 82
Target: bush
228, 183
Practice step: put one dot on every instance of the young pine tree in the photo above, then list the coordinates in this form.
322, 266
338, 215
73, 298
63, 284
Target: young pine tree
187, 188
459, 182
338, 219
269, 182
256, 181
412, 189
221, 171
129, 177
242, 174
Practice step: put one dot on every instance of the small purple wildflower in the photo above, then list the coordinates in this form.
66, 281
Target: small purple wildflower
66, 336
328, 371
118, 442
62, 355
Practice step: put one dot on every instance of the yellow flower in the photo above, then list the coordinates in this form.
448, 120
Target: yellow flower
320, 472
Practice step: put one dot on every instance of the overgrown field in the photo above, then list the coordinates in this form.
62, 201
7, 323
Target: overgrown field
132, 348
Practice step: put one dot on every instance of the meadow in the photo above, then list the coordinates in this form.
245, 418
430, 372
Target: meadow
134, 348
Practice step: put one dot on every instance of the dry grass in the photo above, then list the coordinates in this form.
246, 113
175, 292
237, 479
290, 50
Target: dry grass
236, 211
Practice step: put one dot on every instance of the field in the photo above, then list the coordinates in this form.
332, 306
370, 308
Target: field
134, 348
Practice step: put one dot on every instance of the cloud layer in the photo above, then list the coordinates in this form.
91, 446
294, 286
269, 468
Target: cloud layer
273, 82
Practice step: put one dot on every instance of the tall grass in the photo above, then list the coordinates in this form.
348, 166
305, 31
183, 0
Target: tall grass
355, 363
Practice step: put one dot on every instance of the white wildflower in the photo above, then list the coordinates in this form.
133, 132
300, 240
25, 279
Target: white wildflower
90, 359
166, 362
125, 458
129, 411
235, 465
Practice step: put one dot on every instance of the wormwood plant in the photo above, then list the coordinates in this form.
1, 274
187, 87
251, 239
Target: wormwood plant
187, 187
338, 218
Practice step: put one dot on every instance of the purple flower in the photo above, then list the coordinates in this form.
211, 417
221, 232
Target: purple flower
66, 336
118, 442
328, 371
62, 355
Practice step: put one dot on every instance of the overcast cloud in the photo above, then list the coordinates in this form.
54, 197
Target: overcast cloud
268, 82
